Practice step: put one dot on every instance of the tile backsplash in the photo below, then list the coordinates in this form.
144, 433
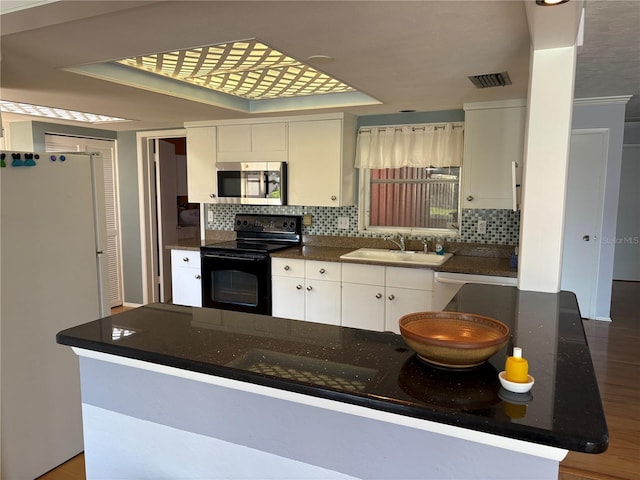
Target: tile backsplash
503, 226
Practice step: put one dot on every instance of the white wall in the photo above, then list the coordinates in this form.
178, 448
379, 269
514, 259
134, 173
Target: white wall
626, 265
603, 113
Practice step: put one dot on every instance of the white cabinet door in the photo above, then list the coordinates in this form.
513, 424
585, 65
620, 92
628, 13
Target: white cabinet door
412, 278
493, 139
234, 138
317, 270
269, 137
363, 306
306, 290
201, 164
401, 301
186, 283
287, 297
262, 142
319, 173
288, 267
322, 301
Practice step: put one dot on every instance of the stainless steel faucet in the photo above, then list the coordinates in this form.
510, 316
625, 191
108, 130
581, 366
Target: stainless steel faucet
401, 243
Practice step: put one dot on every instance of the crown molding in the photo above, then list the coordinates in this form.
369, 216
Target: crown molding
623, 99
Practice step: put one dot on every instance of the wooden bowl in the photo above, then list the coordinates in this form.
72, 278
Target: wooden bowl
453, 339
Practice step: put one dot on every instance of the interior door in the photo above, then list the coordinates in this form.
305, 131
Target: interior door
583, 216
167, 208
106, 148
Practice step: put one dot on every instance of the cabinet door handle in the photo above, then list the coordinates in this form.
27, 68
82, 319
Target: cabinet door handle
198, 277
333, 197
378, 295
309, 288
391, 297
470, 198
298, 287
185, 259
322, 270
586, 238
287, 267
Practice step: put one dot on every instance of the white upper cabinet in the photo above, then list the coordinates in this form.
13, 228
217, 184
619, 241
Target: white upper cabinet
321, 156
260, 142
493, 140
201, 164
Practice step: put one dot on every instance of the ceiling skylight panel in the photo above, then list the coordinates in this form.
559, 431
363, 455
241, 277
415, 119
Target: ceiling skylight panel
247, 69
56, 113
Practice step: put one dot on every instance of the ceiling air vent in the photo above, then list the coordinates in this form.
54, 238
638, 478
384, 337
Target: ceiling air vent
487, 80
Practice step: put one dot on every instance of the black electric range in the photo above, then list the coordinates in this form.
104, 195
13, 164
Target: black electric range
236, 275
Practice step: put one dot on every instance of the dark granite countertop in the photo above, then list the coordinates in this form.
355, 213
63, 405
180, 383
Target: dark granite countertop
378, 370
473, 259
477, 265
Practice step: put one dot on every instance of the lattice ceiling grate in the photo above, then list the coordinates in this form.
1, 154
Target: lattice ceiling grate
247, 69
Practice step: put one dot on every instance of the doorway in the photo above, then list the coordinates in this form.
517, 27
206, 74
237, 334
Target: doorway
107, 150
626, 265
166, 216
583, 216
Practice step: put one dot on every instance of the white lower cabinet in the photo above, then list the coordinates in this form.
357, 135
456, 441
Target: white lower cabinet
306, 290
370, 297
186, 284
375, 297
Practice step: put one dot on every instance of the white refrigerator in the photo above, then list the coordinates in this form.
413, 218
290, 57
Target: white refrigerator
53, 276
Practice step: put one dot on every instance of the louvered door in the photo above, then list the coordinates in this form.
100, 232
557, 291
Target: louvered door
106, 148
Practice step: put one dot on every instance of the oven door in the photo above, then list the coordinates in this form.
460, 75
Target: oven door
236, 281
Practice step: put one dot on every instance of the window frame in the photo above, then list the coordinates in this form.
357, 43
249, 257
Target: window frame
364, 212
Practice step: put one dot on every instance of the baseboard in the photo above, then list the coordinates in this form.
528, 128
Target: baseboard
131, 305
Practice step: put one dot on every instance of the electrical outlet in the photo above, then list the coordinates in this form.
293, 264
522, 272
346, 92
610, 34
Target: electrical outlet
343, 223
210, 216
307, 219
482, 227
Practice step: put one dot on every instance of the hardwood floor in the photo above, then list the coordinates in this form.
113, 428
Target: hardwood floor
617, 365
70, 470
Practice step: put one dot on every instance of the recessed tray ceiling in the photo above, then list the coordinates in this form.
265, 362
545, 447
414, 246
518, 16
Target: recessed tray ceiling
251, 74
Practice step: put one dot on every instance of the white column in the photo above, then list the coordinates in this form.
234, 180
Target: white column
550, 100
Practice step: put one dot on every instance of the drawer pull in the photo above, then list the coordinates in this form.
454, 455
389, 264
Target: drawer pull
287, 267
198, 277
185, 259
309, 288
322, 270
392, 296
378, 295
298, 287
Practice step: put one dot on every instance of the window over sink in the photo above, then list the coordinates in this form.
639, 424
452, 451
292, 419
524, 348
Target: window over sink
416, 199
409, 178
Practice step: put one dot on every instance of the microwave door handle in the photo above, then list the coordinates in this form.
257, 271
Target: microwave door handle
264, 186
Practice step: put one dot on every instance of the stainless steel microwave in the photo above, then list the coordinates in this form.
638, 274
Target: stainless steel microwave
252, 183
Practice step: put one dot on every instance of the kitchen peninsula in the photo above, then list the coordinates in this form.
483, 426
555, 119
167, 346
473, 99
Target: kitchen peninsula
181, 392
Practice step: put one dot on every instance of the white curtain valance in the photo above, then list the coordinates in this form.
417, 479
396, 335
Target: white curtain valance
431, 145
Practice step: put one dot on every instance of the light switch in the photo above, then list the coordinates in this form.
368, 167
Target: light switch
482, 227
210, 216
343, 223
307, 219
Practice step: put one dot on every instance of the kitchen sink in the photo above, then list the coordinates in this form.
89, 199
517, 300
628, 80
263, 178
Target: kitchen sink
396, 257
